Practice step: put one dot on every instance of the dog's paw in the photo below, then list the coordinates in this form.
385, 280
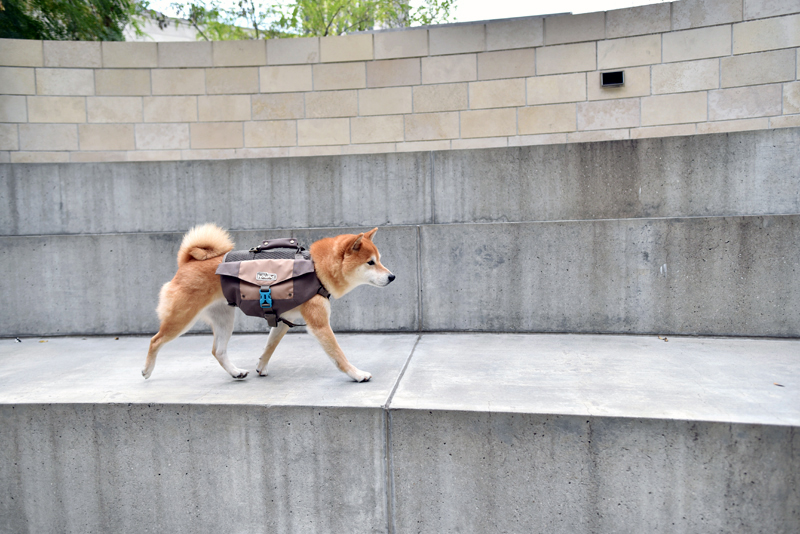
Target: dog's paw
242, 374
359, 376
146, 373
261, 372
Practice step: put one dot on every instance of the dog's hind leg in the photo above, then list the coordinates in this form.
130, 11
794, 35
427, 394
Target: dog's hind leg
316, 313
171, 328
275, 336
220, 316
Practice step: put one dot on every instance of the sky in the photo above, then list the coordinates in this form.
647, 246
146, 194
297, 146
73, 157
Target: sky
472, 10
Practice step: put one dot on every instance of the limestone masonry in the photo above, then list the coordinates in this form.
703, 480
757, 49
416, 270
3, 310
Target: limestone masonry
691, 67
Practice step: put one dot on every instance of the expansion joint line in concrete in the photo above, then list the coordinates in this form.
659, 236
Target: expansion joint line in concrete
387, 444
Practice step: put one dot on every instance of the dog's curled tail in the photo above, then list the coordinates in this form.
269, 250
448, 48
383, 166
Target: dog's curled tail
204, 242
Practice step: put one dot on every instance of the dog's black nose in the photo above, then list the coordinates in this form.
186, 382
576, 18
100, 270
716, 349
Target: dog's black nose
391, 278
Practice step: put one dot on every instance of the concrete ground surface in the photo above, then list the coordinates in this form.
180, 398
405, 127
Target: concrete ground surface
704, 379
556, 434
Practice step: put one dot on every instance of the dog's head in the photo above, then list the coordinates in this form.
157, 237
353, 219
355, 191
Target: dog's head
362, 262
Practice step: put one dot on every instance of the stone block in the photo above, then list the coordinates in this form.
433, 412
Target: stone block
489, 123
431, 126
239, 53
179, 81
533, 140
278, 106
744, 102
598, 136
293, 51
784, 121
639, 20
758, 9
17, 81
767, 34
285, 79
270, 133
608, 114
685, 76
675, 109
154, 155
368, 148
114, 109
575, 28
328, 77
323, 132
391, 73
231, 81
637, 83
547, 119
216, 135
740, 125
225, 108
9, 137
566, 58
514, 33
48, 137
388, 101
472, 144
13, 108
21, 53
386, 129
457, 39
443, 97
181, 55
56, 109
342, 48
310, 151
121, 55
791, 98
93, 157
507, 64
758, 68
86, 54
162, 136
629, 52
696, 44
65, 82
697, 13
39, 157
106, 137
663, 131
400, 44
497, 94
462, 68
556, 89
170, 108
422, 146
122, 82
323, 104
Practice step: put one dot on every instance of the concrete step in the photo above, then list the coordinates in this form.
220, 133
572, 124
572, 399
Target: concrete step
455, 433
744, 173
703, 276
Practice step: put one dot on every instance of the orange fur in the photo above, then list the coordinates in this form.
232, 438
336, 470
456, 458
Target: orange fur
204, 242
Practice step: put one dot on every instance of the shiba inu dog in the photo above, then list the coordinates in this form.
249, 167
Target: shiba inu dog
341, 263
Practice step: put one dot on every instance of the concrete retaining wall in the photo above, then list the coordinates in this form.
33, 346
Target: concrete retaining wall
177, 468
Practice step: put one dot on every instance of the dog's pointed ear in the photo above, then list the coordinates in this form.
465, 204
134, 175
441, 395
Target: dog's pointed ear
356, 245
369, 235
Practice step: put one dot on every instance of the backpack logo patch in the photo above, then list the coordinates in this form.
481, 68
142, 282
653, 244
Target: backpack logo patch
266, 277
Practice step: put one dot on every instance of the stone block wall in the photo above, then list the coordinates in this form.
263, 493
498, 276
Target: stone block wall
691, 67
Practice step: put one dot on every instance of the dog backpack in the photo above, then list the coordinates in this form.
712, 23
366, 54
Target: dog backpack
269, 279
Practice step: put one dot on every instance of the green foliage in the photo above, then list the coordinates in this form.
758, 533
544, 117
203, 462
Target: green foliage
307, 18
68, 20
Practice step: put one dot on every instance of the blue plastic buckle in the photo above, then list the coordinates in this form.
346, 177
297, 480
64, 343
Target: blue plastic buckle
266, 298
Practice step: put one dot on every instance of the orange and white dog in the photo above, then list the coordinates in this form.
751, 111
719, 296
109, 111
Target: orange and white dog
342, 263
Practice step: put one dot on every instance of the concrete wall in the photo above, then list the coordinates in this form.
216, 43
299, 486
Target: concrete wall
691, 67
691, 235
135, 468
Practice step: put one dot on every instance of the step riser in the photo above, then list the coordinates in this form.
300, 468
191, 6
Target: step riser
713, 276
747, 173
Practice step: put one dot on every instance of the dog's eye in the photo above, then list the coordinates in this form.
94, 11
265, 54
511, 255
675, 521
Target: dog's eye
370, 262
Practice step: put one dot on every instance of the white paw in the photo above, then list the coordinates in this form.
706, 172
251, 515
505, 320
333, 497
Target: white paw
239, 374
359, 376
261, 372
146, 373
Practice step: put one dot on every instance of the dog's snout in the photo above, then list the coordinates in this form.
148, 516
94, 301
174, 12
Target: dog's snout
391, 278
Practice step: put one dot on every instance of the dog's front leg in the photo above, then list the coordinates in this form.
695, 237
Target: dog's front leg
317, 313
275, 336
